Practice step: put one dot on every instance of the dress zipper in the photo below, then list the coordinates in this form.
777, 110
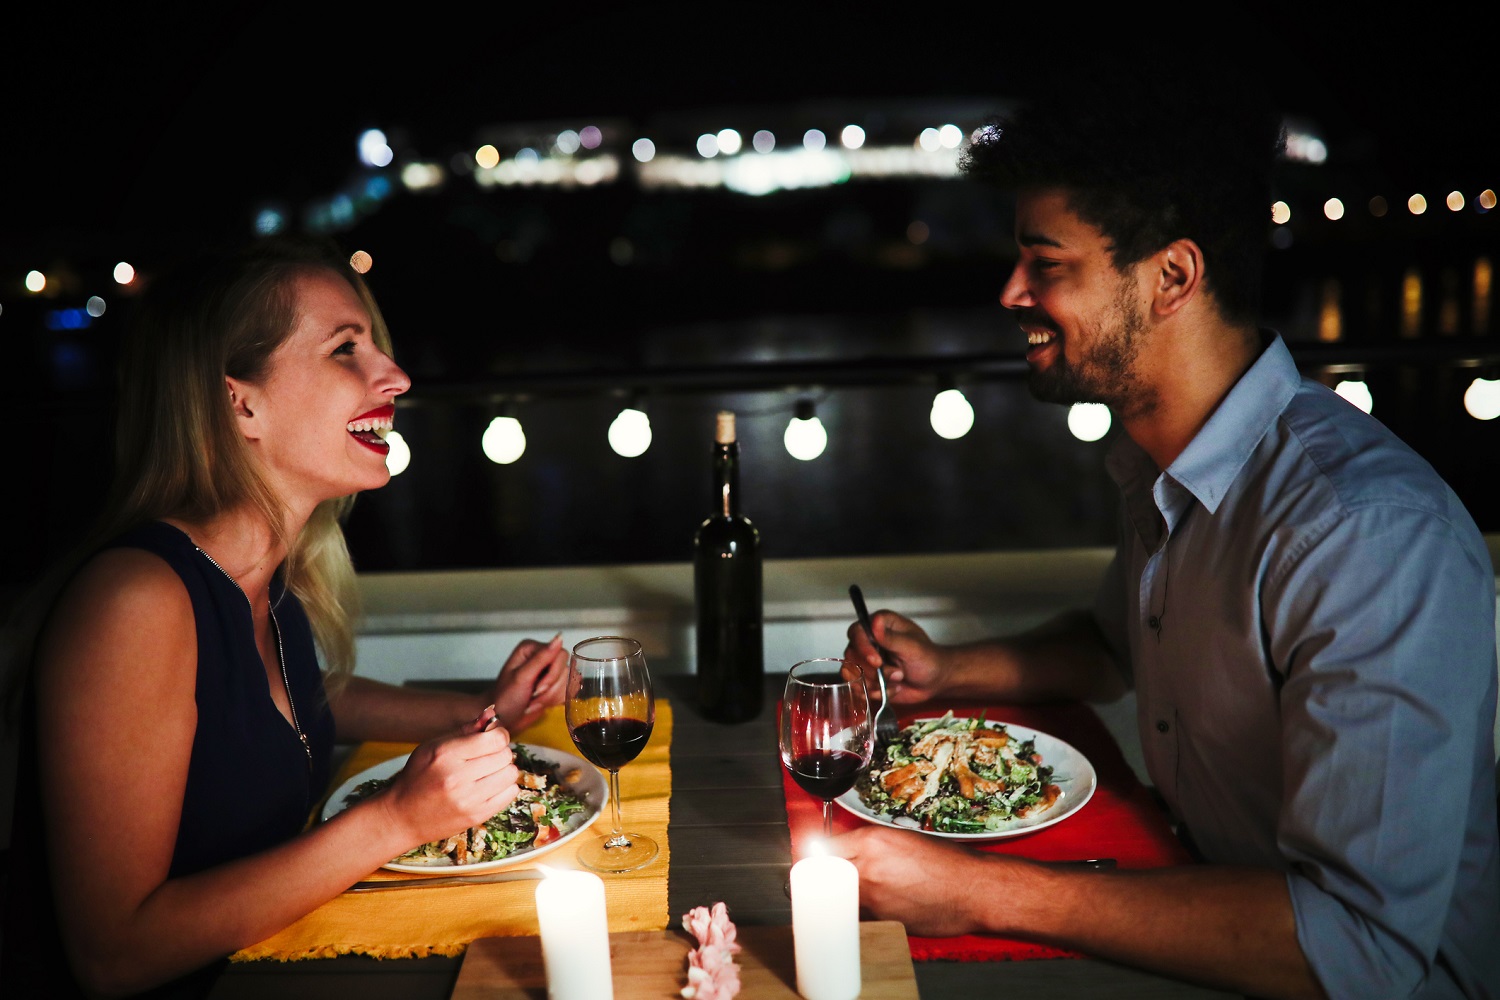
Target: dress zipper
280, 656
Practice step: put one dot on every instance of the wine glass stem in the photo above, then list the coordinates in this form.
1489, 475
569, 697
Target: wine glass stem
827, 818
617, 838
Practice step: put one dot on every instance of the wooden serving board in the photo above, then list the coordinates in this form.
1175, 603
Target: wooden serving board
652, 965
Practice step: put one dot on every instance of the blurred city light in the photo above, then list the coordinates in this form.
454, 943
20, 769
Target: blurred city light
374, 151
568, 142
590, 136
361, 261
124, 273
929, 140
763, 141
35, 281
643, 150
814, 140
1333, 209
729, 141
1487, 199
950, 136
487, 157
852, 137
1378, 207
1416, 204
1281, 213
1455, 201
94, 306
707, 145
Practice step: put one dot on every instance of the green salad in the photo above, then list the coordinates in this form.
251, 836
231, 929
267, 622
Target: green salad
958, 775
534, 818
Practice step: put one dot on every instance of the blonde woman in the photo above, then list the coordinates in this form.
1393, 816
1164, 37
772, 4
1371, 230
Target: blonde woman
176, 724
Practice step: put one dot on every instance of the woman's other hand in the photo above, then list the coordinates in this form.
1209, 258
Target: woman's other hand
531, 680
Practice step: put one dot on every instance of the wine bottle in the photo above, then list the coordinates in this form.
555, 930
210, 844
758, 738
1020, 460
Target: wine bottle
727, 593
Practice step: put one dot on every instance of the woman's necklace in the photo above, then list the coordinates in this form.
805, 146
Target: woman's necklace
280, 654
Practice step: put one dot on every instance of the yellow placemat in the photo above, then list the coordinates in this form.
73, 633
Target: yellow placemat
442, 921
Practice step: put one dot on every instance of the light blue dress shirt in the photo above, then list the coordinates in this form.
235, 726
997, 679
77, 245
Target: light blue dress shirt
1307, 614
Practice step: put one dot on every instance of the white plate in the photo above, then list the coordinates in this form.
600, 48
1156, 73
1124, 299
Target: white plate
589, 786
1071, 772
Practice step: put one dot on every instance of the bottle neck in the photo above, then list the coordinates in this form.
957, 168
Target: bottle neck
727, 480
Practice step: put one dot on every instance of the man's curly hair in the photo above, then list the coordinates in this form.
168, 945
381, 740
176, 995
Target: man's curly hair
1146, 164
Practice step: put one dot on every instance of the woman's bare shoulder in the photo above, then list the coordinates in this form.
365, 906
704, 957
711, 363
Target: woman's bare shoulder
121, 598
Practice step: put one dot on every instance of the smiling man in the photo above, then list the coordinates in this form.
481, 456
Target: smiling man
1303, 608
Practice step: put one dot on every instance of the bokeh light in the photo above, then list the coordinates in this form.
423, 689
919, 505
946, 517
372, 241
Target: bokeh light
399, 457
1482, 399
1333, 209
1089, 421
1356, 392
952, 417
124, 273
1281, 213
503, 441
630, 433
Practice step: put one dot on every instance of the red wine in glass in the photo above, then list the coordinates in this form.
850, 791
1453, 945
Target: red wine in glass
827, 773
826, 731
611, 743
610, 711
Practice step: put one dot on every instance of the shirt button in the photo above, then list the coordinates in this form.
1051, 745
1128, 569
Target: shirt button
1154, 622
1161, 725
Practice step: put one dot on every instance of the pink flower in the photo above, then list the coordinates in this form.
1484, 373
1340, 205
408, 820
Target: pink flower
712, 972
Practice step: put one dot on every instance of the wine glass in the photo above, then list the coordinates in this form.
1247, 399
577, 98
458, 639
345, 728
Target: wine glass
826, 733
610, 712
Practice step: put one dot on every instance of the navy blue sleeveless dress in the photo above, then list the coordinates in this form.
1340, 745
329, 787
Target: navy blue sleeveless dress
252, 781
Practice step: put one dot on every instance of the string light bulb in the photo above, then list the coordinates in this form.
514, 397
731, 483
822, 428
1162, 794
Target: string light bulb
952, 417
399, 457
805, 437
1482, 399
1088, 421
1356, 392
630, 433
504, 441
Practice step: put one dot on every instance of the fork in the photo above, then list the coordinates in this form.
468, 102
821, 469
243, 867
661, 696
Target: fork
885, 722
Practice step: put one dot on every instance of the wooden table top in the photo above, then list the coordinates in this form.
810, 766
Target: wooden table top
730, 842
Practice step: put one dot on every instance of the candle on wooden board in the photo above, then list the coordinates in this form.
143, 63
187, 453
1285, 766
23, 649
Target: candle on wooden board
575, 935
825, 927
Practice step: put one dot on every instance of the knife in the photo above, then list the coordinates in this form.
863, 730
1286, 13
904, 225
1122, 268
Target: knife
527, 874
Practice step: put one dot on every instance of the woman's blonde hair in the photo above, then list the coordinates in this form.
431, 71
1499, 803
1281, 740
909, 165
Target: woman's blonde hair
178, 452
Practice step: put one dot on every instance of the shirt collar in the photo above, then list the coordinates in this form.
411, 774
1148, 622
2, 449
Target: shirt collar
1209, 464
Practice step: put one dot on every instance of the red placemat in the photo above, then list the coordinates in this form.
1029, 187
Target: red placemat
1120, 821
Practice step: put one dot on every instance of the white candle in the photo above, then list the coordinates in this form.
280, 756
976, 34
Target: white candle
825, 928
575, 936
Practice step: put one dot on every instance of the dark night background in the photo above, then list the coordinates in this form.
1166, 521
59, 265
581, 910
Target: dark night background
142, 133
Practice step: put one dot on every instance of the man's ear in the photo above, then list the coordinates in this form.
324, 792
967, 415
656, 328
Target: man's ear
1179, 273
242, 403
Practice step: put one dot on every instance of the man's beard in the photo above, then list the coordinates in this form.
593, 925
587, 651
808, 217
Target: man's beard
1106, 371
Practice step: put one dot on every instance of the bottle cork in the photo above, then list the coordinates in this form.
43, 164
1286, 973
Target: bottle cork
724, 428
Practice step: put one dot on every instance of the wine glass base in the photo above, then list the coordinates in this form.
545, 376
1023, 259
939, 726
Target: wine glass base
597, 856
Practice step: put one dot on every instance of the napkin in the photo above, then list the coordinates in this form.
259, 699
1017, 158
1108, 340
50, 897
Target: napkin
1122, 820
443, 921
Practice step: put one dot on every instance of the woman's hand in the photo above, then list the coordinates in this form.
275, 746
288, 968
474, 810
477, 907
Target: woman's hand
531, 680
452, 783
